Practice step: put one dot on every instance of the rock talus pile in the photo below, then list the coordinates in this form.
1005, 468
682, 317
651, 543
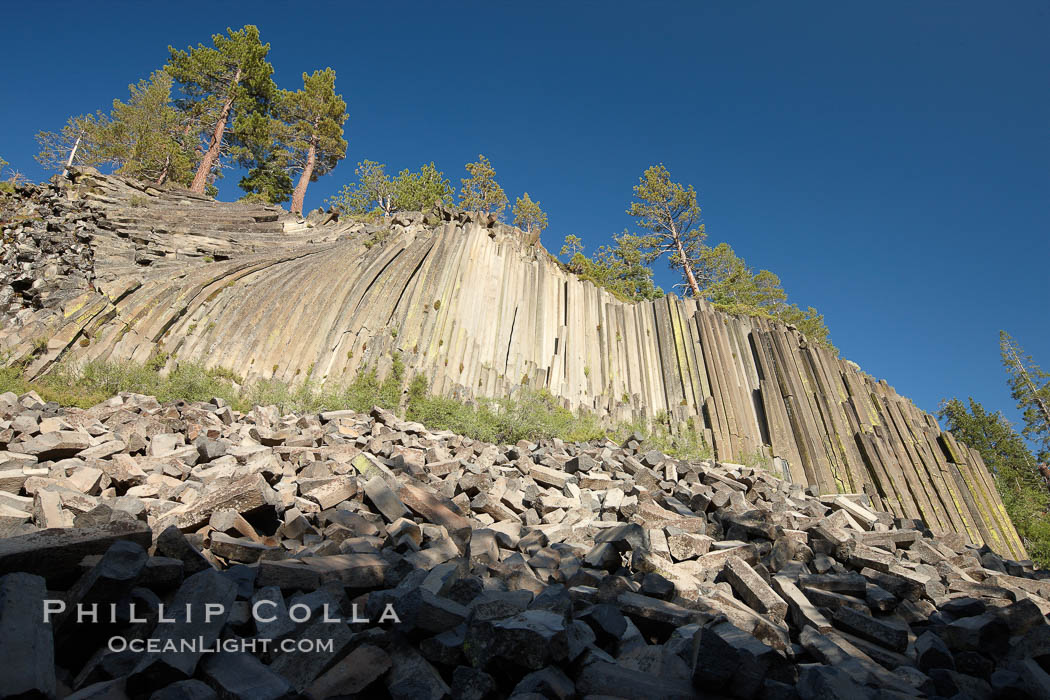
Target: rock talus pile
350, 555
46, 260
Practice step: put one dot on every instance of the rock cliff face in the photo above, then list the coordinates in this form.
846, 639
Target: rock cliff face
126, 272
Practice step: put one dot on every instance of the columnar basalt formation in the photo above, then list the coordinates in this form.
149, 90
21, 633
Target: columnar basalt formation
480, 311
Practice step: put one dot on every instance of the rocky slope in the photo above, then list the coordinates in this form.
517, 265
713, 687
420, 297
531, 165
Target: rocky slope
104, 268
348, 555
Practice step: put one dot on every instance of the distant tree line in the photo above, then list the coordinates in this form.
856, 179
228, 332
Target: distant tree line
207, 109
1021, 474
375, 192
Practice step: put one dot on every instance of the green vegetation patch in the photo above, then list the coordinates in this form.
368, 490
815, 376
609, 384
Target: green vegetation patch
528, 415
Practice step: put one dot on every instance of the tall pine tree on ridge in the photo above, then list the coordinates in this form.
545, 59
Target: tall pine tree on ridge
314, 118
228, 88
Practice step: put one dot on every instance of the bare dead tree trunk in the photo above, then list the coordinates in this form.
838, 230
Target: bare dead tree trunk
72, 154
200, 180
1040, 404
1041, 469
304, 179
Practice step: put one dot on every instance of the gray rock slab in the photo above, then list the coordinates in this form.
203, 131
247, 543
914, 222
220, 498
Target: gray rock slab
54, 554
241, 676
26, 644
200, 594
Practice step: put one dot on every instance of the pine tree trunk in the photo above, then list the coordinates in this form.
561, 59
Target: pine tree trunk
164, 173
304, 179
200, 180
688, 268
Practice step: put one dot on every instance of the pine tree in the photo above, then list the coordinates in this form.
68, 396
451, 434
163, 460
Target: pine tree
621, 269
268, 182
809, 322
419, 191
571, 248
373, 191
269, 178
1030, 388
727, 282
82, 137
9, 177
528, 216
314, 142
731, 286
480, 191
669, 211
1018, 480
632, 277
226, 88
144, 138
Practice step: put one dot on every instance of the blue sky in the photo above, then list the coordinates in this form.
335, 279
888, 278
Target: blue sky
889, 161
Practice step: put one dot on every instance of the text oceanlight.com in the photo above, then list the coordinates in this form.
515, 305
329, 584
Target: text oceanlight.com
200, 645
262, 611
